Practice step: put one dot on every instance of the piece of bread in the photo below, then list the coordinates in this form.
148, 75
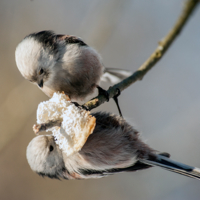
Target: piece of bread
77, 123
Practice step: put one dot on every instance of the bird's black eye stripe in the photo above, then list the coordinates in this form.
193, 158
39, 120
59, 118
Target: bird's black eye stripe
41, 71
51, 148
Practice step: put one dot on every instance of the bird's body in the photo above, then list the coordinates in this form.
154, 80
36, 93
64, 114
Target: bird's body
62, 63
59, 63
113, 147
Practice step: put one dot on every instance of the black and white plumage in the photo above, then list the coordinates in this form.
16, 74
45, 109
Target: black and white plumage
113, 147
63, 63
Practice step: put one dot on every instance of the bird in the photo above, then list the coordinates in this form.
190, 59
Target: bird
114, 146
64, 63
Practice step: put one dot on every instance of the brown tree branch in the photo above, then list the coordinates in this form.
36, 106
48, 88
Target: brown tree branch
163, 46
44, 126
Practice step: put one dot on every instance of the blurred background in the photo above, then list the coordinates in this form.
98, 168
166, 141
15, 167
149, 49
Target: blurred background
164, 106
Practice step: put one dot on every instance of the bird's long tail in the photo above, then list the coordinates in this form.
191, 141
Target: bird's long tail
174, 166
114, 75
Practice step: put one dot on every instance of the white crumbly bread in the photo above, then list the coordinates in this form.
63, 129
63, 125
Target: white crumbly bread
77, 124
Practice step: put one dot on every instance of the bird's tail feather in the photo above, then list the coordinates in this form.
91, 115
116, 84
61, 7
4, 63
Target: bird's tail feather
174, 166
113, 75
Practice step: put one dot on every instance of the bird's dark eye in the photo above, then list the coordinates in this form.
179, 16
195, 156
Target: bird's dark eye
51, 148
41, 71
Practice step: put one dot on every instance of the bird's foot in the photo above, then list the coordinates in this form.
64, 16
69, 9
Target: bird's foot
116, 100
103, 92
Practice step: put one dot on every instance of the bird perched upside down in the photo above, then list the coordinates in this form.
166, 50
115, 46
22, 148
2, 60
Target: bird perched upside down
113, 147
63, 63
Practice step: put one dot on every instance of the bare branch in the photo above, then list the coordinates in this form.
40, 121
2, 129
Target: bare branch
164, 44
43, 127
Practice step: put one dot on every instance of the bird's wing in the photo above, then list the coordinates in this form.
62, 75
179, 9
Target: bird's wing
113, 75
71, 39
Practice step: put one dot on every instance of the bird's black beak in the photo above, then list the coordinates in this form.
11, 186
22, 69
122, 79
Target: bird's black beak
40, 83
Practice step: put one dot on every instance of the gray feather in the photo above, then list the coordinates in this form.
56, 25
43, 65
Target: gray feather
113, 75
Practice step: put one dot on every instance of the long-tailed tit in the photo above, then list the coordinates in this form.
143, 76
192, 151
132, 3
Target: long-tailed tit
63, 63
113, 147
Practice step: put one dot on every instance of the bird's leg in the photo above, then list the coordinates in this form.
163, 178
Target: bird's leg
103, 92
116, 100
81, 106
75, 103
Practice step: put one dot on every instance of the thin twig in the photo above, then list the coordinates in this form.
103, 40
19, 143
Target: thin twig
43, 127
164, 44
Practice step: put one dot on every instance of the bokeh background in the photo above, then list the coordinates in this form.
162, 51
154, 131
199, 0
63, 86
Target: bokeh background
164, 106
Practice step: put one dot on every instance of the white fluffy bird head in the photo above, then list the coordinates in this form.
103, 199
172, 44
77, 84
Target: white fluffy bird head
45, 157
37, 54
